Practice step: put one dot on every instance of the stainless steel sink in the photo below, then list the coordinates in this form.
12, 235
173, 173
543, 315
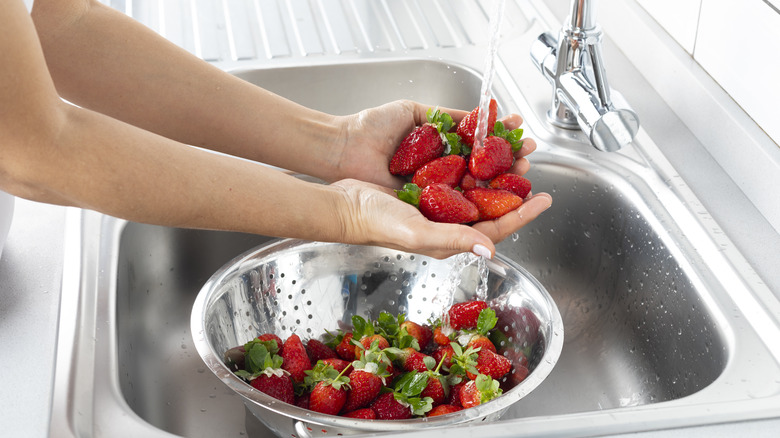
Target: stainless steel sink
660, 330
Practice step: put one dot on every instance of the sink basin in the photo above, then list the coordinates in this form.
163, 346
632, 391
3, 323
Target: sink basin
658, 331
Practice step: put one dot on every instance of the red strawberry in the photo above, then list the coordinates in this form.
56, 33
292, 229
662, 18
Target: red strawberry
441, 335
296, 361
387, 407
479, 391
481, 341
272, 337
512, 182
443, 410
422, 145
440, 203
366, 341
318, 350
468, 182
411, 359
328, 397
443, 354
454, 397
338, 364
465, 315
365, 387
448, 169
277, 384
363, 414
468, 126
493, 203
346, 349
435, 389
422, 333
329, 394
490, 364
492, 159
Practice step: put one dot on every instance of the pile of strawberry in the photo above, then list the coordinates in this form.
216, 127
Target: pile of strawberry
390, 368
454, 181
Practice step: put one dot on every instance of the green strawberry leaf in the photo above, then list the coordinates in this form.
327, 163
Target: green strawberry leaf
454, 145
256, 357
244, 374
361, 327
487, 387
514, 137
412, 383
420, 406
441, 120
486, 321
410, 194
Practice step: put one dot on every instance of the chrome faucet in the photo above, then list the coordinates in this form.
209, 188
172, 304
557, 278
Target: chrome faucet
582, 98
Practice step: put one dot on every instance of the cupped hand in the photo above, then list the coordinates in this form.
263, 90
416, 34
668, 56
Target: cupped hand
372, 136
375, 216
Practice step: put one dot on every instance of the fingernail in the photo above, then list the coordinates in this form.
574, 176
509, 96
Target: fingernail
481, 250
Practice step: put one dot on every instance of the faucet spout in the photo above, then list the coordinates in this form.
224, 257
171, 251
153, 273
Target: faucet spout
582, 98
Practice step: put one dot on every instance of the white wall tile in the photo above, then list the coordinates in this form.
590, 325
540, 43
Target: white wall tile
678, 17
737, 44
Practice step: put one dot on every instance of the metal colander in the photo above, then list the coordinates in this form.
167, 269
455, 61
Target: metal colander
293, 286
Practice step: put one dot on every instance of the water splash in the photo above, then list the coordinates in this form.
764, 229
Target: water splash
494, 30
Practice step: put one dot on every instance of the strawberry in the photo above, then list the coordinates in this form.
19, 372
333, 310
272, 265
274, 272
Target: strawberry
367, 378
317, 350
492, 159
490, 364
264, 372
411, 359
345, 348
465, 315
366, 341
276, 383
421, 333
468, 181
440, 203
468, 125
493, 203
387, 407
437, 388
338, 364
479, 391
363, 414
454, 398
422, 145
441, 335
443, 410
478, 341
448, 170
365, 387
512, 182
296, 361
329, 394
443, 354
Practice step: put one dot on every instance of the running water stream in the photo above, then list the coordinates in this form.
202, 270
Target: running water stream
494, 31
463, 261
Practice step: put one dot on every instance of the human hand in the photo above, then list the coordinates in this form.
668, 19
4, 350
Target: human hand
375, 216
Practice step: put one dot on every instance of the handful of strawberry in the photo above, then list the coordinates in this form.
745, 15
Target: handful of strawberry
390, 368
452, 179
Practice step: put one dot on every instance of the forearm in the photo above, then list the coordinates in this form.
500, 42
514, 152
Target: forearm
99, 163
102, 60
